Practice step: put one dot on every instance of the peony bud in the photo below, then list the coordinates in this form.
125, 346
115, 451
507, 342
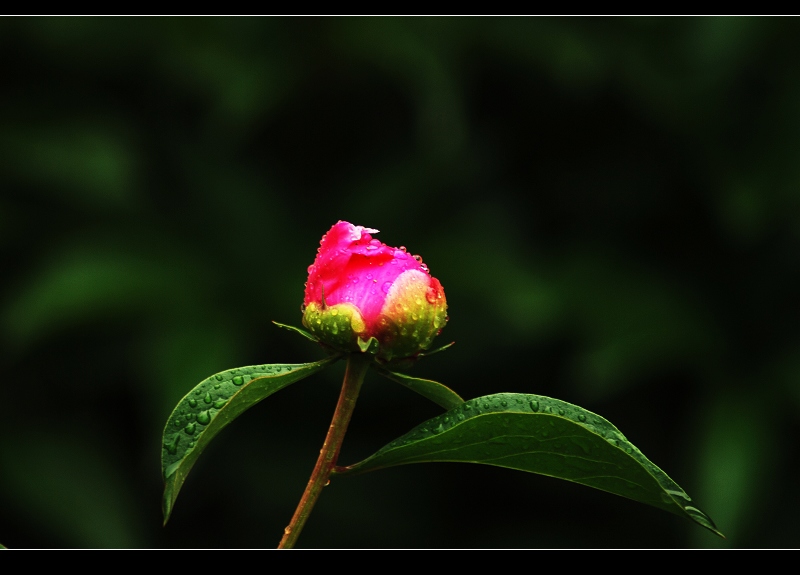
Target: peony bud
359, 289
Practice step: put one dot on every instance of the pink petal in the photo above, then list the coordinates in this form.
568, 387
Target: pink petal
353, 267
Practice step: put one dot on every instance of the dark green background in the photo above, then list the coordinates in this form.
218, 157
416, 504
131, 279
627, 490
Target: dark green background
611, 205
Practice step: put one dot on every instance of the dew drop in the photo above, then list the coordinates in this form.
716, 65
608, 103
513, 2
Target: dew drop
238, 380
192, 402
220, 403
385, 287
203, 418
561, 412
216, 386
581, 417
190, 428
334, 312
534, 405
207, 398
173, 446
288, 368
504, 403
278, 368
219, 377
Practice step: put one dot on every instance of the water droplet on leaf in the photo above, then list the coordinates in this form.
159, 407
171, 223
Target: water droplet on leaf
172, 447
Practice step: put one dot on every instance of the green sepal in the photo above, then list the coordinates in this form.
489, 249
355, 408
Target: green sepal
437, 350
433, 390
212, 405
539, 435
302, 332
369, 346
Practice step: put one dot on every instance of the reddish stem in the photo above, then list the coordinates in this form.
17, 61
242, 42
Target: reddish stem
357, 364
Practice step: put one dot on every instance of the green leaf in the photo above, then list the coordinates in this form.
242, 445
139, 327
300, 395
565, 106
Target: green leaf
540, 435
212, 405
433, 390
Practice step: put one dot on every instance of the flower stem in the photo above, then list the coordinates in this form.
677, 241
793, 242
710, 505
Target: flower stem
357, 364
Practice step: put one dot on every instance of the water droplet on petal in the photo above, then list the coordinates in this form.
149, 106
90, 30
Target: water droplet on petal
238, 380
207, 398
192, 402
190, 428
220, 403
203, 418
582, 417
219, 377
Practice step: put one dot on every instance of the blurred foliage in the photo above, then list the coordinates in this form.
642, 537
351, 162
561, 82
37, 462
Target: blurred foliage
611, 204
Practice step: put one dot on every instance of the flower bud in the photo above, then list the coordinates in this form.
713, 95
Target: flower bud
359, 289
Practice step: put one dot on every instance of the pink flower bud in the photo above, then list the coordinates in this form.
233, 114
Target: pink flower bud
359, 288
